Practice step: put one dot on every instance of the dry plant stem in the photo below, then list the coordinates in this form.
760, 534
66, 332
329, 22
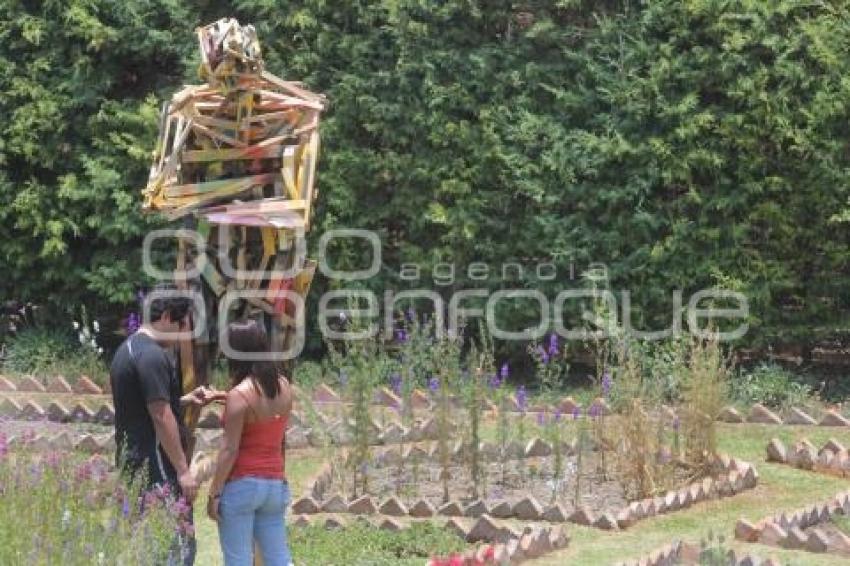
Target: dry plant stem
521, 464
580, 449
503, 437
475, 413
705, 394
443, 431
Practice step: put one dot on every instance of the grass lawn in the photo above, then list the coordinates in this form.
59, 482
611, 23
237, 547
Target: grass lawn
780, 488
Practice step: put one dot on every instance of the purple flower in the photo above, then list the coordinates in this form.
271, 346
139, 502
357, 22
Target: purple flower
553, 345
521, 398
410, 314
541, 418
400, 336
544, 356
52, 459
125, 507
433, 384
505, 371
181, 508
576, 412
606, 384
556, 418
595, 410
395, 383
494, 382
133, 323
140, 297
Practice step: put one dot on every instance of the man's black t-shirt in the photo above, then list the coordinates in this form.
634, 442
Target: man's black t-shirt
142, 372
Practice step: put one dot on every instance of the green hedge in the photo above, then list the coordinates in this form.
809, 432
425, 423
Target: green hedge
682, 143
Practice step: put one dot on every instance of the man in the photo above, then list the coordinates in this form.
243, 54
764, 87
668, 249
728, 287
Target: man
147, 394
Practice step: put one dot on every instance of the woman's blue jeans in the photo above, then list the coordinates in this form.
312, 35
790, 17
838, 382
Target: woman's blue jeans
252, 509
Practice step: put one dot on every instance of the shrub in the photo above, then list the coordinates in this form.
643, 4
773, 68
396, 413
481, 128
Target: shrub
704, 394
307, 374
771, 385
364, 545
48, 351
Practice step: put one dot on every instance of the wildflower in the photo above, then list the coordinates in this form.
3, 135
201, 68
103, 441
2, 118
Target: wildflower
541, 418
553, 345
556, 417
76, 325
52, 459
180, 508
342, 317
84, 472
400, 336
504, 372
544, 356
576, 412
395, 383
433, 384
521, 398
187, 528
606, 384
96, 326
494, 382
125, 507
410, 314
594, 411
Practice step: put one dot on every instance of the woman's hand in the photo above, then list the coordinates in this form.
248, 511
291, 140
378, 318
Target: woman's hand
202, 396
212, 507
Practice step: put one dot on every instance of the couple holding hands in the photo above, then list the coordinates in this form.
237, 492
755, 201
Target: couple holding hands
249, 493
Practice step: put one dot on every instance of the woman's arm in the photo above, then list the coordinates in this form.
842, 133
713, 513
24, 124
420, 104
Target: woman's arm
286, 396
235, 408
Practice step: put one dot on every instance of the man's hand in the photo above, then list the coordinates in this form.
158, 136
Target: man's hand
212, 508
188, 485
203, 396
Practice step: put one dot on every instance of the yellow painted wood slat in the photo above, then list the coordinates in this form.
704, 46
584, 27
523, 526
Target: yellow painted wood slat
251, 152
223, 186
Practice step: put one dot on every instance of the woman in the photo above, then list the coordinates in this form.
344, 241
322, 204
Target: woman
249, 492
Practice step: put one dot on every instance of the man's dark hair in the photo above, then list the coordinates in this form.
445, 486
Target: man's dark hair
176, 305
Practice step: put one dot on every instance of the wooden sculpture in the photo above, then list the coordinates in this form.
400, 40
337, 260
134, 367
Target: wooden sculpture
236, 161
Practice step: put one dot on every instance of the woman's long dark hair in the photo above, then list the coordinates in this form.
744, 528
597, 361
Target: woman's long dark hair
250, 337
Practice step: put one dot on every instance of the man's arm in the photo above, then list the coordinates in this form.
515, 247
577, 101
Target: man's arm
168, 435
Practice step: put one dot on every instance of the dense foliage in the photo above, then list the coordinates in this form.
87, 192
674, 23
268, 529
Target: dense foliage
684, 144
